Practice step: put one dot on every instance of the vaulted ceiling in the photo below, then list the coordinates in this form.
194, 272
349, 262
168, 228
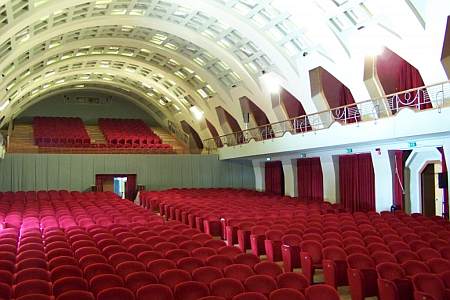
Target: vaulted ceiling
170, 55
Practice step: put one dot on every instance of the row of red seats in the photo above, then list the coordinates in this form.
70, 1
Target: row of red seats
56, 131
128, 133
68, 245
188, 207
109, 146
344, 245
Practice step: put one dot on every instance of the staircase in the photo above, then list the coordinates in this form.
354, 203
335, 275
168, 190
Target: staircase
167, 138
95, 134
21, 140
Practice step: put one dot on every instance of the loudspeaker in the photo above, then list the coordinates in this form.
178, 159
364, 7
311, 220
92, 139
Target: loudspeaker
443, 180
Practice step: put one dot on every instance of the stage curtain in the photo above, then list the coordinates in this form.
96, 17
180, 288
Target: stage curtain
274, 177
357, 182
310, 179
445, 190
398, 181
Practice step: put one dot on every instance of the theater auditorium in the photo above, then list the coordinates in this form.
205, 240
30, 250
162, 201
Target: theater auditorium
224, 149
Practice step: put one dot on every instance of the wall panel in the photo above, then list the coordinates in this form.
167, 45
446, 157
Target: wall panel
53, 172
41, 171
77, 172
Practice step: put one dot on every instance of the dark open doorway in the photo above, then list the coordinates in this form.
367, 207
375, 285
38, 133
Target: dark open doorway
428, 191
432, 190
124, 185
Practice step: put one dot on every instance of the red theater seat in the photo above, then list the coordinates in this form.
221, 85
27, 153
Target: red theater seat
238, 271
321, 291
191, 290
135, 281
286, 294
226, 288
76, 295
155, 292
68, 284
206, 274
392, 282
261, 284
115, 293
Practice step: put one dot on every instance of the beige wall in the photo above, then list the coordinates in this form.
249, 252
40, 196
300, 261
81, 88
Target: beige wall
77, 172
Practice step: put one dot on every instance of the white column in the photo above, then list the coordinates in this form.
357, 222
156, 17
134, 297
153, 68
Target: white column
258, 168
383, 179
447, 156
330, 172
447, 160
290, 177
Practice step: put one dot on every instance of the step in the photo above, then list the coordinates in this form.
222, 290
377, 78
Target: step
95, 134
168, 138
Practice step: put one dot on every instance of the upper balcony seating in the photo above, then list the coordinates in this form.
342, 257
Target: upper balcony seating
129, 133
60, 132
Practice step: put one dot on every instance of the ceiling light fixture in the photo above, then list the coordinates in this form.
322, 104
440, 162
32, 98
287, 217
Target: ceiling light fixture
271, 81
197, 112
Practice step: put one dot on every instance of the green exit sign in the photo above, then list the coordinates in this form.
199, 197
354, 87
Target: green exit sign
412, 144
349, 150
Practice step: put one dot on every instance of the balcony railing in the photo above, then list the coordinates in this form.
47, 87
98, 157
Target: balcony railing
434, 96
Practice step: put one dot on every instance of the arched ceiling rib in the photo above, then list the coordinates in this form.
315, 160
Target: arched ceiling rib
130, 60
156, 47
98, 79
161, 92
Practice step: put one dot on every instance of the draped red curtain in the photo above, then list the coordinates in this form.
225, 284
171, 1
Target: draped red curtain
357, 182
310, 179
100, 179
410, 78
274, 177
398, 180
130, 192
445, 190
351, 112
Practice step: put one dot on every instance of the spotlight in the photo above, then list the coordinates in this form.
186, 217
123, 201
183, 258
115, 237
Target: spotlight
197, 112
271, 81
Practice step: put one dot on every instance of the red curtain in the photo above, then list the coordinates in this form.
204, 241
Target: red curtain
357, 182
310, 179
398, 180
130, 192
351, 112
445, 190
100, 179
274, 177
410, 78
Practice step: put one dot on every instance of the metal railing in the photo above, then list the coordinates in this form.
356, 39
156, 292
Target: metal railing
180, 134
423, 98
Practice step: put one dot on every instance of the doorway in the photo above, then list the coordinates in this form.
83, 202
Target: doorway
120, 186
432, 193
123, 185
